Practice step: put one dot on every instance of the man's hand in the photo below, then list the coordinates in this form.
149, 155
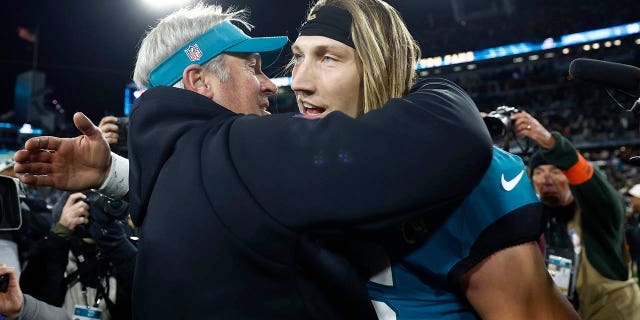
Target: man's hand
526, 125
72, 164
75, 211
12, 300
109, 127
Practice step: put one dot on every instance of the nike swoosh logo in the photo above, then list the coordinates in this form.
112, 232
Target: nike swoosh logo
509, 185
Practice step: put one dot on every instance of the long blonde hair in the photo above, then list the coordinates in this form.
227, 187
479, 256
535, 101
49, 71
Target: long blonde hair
387, 51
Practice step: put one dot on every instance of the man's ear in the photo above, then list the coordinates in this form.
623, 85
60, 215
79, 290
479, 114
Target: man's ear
193, 78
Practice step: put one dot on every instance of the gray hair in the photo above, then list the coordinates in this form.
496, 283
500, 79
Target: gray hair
177, 29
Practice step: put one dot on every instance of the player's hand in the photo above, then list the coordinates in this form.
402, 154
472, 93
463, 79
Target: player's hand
72, 164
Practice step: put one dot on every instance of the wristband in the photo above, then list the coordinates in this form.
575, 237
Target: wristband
117, 183
579, 172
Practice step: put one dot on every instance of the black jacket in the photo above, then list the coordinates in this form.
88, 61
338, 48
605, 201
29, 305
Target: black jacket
227, 203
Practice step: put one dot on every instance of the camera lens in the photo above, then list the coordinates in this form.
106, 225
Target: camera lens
495, 126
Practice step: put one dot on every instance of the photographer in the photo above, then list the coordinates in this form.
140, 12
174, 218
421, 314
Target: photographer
584, 226
87, 260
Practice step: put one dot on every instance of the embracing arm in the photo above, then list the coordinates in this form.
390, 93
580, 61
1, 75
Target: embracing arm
416, 154
513, 283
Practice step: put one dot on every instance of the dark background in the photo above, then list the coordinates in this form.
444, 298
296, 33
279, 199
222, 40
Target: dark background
87, 48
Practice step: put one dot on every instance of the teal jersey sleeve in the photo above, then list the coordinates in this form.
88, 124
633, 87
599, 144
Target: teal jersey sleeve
502, 211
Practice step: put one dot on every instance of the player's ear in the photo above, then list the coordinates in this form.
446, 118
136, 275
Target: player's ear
194, 79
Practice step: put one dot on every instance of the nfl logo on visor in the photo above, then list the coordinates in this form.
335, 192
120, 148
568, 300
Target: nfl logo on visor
193, 52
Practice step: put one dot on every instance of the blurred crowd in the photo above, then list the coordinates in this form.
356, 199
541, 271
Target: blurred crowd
537, 20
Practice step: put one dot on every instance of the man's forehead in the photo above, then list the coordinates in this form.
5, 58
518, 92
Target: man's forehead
318, 42
245, 56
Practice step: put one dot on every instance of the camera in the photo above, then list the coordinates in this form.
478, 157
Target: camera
499, 121
123, 129
103, 209
12, 193
4, 283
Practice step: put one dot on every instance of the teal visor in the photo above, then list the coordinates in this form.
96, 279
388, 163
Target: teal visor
223, 37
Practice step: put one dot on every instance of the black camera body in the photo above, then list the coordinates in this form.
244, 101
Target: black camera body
123, 131
4, 283
102, 211
12, 193
499, 121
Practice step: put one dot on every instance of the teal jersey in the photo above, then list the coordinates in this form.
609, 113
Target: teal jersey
502, 211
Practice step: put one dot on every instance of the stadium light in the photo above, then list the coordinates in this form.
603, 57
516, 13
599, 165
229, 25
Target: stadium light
608, 44
638, 41
596, 46
566, 51
617, 43
166, 3
586, 47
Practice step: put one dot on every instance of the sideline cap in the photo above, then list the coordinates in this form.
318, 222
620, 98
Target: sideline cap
223, 37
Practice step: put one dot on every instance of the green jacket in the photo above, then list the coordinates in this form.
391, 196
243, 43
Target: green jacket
602, 213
